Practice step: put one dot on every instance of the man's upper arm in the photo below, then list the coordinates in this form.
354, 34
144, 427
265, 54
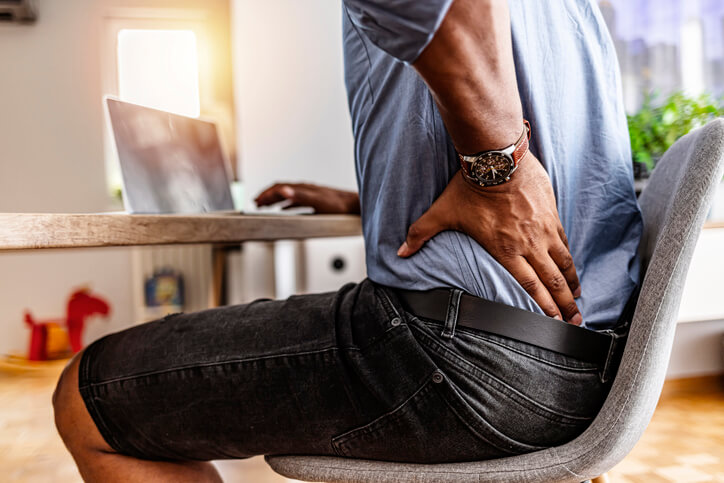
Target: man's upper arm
402, 28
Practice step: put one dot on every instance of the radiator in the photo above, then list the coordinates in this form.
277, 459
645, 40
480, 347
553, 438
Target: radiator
194, 262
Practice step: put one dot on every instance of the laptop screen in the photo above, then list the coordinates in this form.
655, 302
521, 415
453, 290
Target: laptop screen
169, 163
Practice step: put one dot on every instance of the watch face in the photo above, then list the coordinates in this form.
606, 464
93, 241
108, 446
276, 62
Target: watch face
492, 168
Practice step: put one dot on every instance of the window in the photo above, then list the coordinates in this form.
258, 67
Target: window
159, 69
174, 59
667, 46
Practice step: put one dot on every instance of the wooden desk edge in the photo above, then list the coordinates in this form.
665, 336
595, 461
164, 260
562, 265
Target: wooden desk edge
26, 231
712, 225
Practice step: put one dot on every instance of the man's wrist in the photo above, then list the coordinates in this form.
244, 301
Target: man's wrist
492, 130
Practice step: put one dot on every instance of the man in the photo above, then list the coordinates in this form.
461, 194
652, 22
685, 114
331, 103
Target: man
381, 369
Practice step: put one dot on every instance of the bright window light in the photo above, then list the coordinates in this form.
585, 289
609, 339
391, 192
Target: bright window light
692, 57
159, 69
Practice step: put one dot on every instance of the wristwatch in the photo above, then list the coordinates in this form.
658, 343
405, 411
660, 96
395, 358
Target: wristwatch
490, 168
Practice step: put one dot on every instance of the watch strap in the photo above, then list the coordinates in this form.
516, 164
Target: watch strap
522, 145
466, 165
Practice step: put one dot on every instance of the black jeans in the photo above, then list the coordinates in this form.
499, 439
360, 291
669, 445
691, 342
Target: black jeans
346, 373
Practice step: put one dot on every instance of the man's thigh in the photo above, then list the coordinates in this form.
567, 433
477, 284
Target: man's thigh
266, 377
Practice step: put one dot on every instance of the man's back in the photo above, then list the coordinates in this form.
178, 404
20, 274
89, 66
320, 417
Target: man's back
570, 90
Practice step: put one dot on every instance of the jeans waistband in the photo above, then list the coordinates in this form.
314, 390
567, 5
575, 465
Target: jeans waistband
453, 307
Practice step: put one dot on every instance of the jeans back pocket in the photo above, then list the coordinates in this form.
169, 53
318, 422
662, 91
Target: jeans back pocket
434, 425
531, 395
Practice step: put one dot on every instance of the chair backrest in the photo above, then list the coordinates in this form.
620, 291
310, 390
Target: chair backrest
674, 205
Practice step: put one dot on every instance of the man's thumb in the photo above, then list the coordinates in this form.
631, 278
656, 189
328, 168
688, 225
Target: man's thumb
420, 232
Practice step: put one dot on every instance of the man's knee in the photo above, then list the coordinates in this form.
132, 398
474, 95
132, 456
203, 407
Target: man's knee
64, 398
72, 420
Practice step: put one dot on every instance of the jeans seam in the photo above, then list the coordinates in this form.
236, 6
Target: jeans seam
478, 427
510, 392
613, 349
534, 357
210, 364
387, 303
88, 395
389, 332
339, 440
451, 318
523, 353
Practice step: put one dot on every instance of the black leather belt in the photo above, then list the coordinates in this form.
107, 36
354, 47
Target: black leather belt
511, 322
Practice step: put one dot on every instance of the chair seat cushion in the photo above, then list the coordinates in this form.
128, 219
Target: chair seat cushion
534, 467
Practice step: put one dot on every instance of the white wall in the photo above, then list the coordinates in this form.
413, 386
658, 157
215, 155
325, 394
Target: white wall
699, 342
698, 350
292, 118
702, 298
292, 123
52, 156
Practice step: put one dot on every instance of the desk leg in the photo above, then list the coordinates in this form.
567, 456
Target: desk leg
217, 295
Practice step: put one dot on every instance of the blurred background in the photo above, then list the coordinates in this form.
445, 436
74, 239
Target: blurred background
269, 73
667, 46
671, 54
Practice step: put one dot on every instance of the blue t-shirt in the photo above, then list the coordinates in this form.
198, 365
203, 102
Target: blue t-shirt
569, 85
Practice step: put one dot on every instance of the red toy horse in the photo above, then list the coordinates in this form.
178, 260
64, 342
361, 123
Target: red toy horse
81, 305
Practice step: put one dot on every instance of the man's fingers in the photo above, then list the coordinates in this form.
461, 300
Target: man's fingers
562, 257
274, 194
523, 272
426, 227
557, 286
296, 194
301, 195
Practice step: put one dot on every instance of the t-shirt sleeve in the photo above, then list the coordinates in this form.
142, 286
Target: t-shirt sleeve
402, 28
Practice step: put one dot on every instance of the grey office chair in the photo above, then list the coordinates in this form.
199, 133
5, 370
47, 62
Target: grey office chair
674, 204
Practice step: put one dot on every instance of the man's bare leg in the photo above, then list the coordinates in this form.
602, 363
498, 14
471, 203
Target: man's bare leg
96, 460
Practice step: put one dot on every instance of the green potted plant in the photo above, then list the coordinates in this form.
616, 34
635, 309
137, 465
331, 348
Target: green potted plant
657, 125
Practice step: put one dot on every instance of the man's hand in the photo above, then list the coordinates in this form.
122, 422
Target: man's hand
322, 199
517, 222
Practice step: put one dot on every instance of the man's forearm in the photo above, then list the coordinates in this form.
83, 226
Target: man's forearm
469, 69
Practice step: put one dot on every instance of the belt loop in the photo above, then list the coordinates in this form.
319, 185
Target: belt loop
613, 358
451, 317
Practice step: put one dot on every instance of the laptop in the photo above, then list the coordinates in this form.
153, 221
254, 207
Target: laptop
169, 163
